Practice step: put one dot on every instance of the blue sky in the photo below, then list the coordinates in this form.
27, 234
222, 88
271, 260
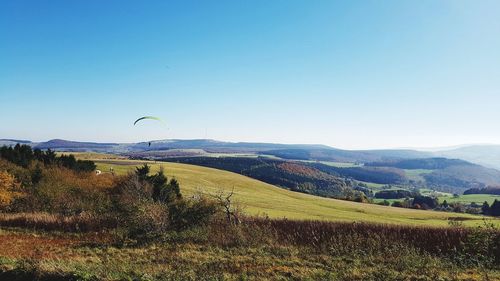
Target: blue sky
351, 74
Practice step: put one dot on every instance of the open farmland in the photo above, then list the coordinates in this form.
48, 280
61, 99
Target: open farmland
471, 198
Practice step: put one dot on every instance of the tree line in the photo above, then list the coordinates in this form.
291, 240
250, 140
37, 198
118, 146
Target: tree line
24, 156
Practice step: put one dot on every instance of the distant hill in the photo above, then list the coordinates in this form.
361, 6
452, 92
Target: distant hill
495, 190
11, 142
296, 176
64, 144
487, 155
423, 163
214, 146
340, 155
288, 151
449, 175
380, 166
74, 146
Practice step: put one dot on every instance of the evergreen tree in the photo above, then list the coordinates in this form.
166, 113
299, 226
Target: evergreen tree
159, 182
175, 187
495, 208
485, 208
142, 172
49, 157
444, 204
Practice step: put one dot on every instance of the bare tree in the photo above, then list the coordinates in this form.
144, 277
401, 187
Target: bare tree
230, 207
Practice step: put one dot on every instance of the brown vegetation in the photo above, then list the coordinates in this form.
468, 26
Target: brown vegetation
9, 189
78, 213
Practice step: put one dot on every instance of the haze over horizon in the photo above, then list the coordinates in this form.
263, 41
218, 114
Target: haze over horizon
353, 75
428, 149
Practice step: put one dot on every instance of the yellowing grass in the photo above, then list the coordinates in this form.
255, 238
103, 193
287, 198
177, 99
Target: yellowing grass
260, 198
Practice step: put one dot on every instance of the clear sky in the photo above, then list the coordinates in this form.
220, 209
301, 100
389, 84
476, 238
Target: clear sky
350, 74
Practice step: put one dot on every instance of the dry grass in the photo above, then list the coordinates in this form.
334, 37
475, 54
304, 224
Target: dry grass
52, 222
195, 255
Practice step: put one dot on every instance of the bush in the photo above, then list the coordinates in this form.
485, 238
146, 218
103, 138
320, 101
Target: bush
148, 221
143, 212
397, 204
196, 211
22, 175
9, 189
425, 202
384, 203
138, 215
481, 247
67, 192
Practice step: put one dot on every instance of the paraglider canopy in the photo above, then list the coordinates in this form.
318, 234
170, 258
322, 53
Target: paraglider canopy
148, 117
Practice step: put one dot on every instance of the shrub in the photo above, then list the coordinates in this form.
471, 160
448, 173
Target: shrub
361, 198
148, 221
481, 247
138, 215
196, 211
397, 204
425, 202
9, 189
128, 194
67, 192
144, 211
495, 208
384, 203
22, 175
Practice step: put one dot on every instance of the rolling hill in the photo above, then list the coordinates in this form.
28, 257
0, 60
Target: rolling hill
487, 155
314, 152
386, 166
448, 175
259, 198
296, 176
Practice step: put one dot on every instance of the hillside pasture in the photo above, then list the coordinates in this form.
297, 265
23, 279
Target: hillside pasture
417, 174
470, 198
263, 199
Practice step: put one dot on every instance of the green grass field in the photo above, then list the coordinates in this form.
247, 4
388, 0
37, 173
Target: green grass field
340, 164
379, 200
433, 193
467, 199
416, 175
374, 186
259, 198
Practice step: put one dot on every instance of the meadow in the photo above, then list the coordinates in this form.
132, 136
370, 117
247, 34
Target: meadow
132, 223
470, 198
261, 199
416, 174
259, 250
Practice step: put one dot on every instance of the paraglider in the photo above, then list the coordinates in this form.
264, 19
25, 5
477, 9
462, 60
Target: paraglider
148, 117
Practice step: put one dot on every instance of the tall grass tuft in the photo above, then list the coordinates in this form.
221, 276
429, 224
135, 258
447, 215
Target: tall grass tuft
83, 222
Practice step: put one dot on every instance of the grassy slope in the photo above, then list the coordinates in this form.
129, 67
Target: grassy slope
259, 198
417, 174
